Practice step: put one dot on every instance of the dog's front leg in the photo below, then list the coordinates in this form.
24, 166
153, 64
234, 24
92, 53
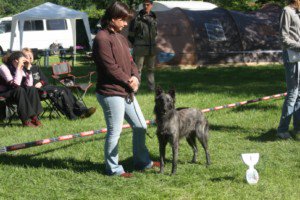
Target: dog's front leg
162, 151
175, 155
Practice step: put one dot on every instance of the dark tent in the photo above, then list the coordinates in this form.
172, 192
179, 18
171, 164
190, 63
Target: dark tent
218, 36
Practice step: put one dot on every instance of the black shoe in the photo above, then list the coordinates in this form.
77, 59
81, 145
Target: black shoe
89, 112
284, 135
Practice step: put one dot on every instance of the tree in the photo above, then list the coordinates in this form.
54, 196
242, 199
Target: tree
97, 7
244, 5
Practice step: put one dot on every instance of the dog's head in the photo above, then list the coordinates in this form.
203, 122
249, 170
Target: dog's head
164, 101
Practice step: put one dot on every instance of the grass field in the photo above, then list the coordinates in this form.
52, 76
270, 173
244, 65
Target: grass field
75, 169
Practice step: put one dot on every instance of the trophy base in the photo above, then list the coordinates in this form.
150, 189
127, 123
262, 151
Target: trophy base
252, 176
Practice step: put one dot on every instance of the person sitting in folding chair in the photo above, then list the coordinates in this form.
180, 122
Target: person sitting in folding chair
62, 97
16, 85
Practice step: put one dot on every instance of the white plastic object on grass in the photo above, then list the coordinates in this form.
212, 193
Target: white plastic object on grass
251, 159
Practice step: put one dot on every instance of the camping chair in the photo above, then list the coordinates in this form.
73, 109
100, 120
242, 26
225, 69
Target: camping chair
8, 111
66, 55
50, 105
61, 72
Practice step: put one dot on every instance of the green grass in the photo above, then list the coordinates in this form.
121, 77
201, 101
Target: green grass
75, 169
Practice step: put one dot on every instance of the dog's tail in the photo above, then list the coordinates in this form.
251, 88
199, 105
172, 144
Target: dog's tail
202, 130
206, 129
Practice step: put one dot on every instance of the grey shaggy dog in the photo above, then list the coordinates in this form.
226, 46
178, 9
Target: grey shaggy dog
174, 124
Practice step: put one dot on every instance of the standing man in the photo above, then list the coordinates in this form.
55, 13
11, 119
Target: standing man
142, 34
290, 34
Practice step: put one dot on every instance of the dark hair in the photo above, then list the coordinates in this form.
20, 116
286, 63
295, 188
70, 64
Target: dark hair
14, 56
148, 1
291, 1
116, 10
295, 2
5, 58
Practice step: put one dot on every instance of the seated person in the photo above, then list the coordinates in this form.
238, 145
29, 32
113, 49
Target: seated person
16, 85
1, 51
62, 97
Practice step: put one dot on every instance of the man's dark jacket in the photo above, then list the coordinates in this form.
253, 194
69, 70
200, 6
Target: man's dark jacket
142, 33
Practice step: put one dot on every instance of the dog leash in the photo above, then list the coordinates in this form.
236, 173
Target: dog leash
129, 99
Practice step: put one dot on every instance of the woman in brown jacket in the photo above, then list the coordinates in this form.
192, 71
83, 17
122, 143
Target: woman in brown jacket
117, 80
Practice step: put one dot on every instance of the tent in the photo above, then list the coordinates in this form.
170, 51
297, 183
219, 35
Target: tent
49, 11
200, 33
159, 6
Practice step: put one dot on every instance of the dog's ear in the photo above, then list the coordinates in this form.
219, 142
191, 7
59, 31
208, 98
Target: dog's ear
158, 90
172, 93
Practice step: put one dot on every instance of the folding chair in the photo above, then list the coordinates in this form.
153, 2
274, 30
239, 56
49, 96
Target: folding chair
50, 105
61, 72
8, 111
66, 55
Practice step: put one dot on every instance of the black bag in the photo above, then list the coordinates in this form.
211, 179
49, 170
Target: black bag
2, 111
60, 101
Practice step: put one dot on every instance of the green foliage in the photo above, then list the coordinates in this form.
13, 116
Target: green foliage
75, 4
8, 7
93, 12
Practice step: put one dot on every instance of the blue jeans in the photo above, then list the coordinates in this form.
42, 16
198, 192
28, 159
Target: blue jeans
291, 105
115, 108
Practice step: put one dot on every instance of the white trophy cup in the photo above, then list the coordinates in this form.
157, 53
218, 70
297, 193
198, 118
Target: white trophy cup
251, 159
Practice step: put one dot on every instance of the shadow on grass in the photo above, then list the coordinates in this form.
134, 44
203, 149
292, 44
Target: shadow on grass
265, 137
32, 160
238, 80
52, 163
256, 106
79, 166
225, 178
225, 128
11, 124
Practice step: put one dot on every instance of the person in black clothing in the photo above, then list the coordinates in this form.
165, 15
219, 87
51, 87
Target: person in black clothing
142, 34
62, 97
16, 86
1, 51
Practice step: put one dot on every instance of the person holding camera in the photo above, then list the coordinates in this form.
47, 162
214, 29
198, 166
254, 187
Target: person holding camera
62, 97
142, 35
16, 85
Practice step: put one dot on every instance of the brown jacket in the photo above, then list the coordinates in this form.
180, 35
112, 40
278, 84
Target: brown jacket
114, 64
